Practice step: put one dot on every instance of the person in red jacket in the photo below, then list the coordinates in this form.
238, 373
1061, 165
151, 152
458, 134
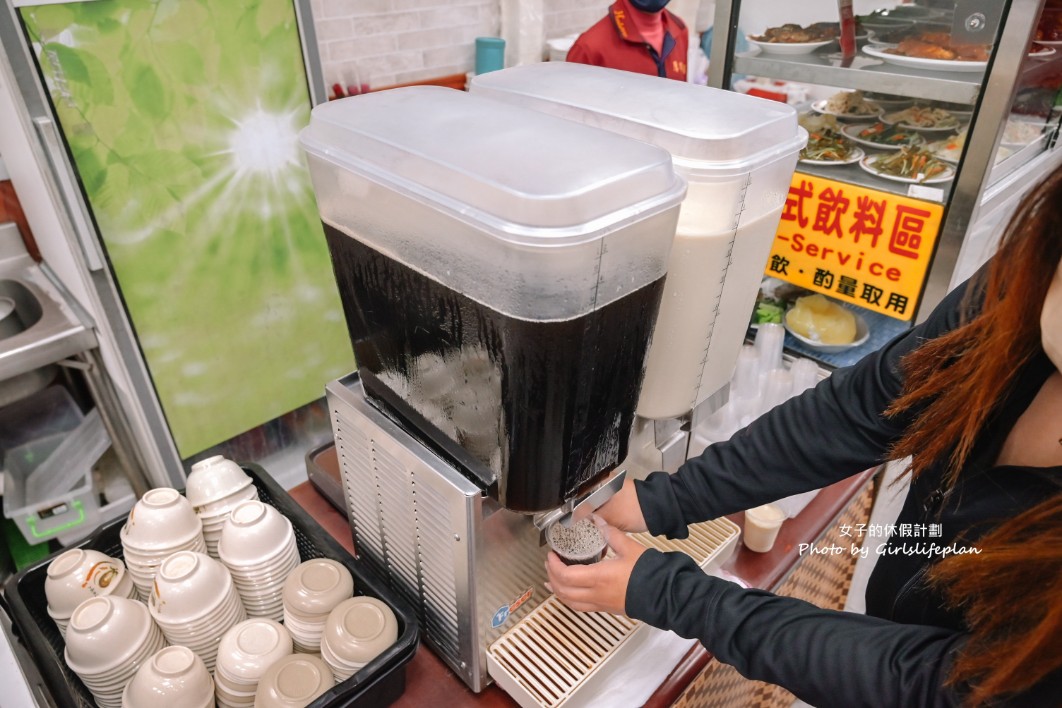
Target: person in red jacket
636, 35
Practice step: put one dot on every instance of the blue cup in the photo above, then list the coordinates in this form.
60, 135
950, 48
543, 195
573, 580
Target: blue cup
490, 54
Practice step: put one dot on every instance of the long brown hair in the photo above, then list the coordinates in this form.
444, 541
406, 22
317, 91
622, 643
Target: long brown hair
1009, 592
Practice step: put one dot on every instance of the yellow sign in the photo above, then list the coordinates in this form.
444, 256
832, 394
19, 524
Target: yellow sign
855, 244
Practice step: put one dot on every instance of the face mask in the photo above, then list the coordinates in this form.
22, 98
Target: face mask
1051, 320
650, 6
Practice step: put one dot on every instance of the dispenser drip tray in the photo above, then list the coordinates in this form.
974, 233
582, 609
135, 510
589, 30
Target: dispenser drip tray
558, 657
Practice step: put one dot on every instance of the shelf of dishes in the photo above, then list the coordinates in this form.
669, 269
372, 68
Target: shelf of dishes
900, 145
866, 73
894, 47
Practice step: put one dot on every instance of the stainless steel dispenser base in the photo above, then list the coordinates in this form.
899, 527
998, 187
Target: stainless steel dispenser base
469, 567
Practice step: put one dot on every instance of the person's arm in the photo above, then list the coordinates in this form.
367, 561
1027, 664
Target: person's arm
824, 657
830, 432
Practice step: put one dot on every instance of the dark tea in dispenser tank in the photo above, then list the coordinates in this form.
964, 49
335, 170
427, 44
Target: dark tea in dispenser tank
500, 302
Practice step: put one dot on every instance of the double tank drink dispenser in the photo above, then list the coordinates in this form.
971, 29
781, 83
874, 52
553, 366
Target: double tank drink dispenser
737, 154
501, 271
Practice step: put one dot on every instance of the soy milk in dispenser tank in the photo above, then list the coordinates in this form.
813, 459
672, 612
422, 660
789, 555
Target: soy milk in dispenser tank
737, 153
500, 271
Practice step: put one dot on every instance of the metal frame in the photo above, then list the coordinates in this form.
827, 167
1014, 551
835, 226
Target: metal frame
997, 92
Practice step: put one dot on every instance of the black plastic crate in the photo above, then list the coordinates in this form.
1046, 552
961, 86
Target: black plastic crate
378, 683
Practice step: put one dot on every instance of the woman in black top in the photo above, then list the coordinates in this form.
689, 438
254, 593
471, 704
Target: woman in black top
974, 396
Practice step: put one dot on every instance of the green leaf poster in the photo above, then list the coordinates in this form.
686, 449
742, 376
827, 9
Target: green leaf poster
182, 117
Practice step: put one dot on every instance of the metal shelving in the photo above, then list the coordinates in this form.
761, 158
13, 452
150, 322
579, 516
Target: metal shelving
991, 93
863, 73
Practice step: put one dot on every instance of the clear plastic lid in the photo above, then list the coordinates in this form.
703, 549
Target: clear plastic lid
525, 176
703, 128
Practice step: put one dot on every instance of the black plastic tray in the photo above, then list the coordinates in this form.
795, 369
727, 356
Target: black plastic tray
379, 683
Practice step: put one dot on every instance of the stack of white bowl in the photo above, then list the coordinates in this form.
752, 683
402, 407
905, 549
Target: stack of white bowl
293, 682
160, 524
194, 602
173, 678
310, 594
82, 574
258, 547
246, 651
107, 640
216, 485
357, 631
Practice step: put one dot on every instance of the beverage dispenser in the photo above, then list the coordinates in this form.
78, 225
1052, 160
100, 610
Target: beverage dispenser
500, 271
738, 154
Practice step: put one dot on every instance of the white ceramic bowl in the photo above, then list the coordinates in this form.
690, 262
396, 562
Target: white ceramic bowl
188, 586
213, 479
108, 692
358, 630
251, 647
228, 613
173, 677
788, 47
78, 575
255, 534
161, 520
284, 562
281, 564
218, 511
125, 589
293, 682
230, 696
104, 632
316, 587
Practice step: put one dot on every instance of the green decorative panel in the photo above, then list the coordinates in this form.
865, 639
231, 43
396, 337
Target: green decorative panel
182, 117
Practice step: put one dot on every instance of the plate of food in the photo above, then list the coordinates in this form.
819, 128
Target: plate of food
847, 105
1041, 53
768, 311
831, 152
960, 110
793, 39
950, 149
890, 56
890, 37
923, 119
881, 137
825, 325
888, 101
774, 298
884, 24
826, 145
911, 166
770, 47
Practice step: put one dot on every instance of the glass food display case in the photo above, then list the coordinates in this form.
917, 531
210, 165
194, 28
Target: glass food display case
924, 135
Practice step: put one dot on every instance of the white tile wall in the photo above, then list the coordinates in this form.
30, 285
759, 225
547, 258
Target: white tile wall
564, 17
386, 42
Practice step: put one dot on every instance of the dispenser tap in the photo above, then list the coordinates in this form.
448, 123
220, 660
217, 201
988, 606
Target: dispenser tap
580, 507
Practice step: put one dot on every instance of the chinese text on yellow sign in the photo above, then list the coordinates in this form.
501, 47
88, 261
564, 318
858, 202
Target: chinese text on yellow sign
855, 244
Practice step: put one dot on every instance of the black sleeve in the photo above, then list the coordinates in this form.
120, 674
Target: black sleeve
824, 657
830, 432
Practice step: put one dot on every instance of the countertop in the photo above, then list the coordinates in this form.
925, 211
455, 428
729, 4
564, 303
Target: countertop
429, 682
